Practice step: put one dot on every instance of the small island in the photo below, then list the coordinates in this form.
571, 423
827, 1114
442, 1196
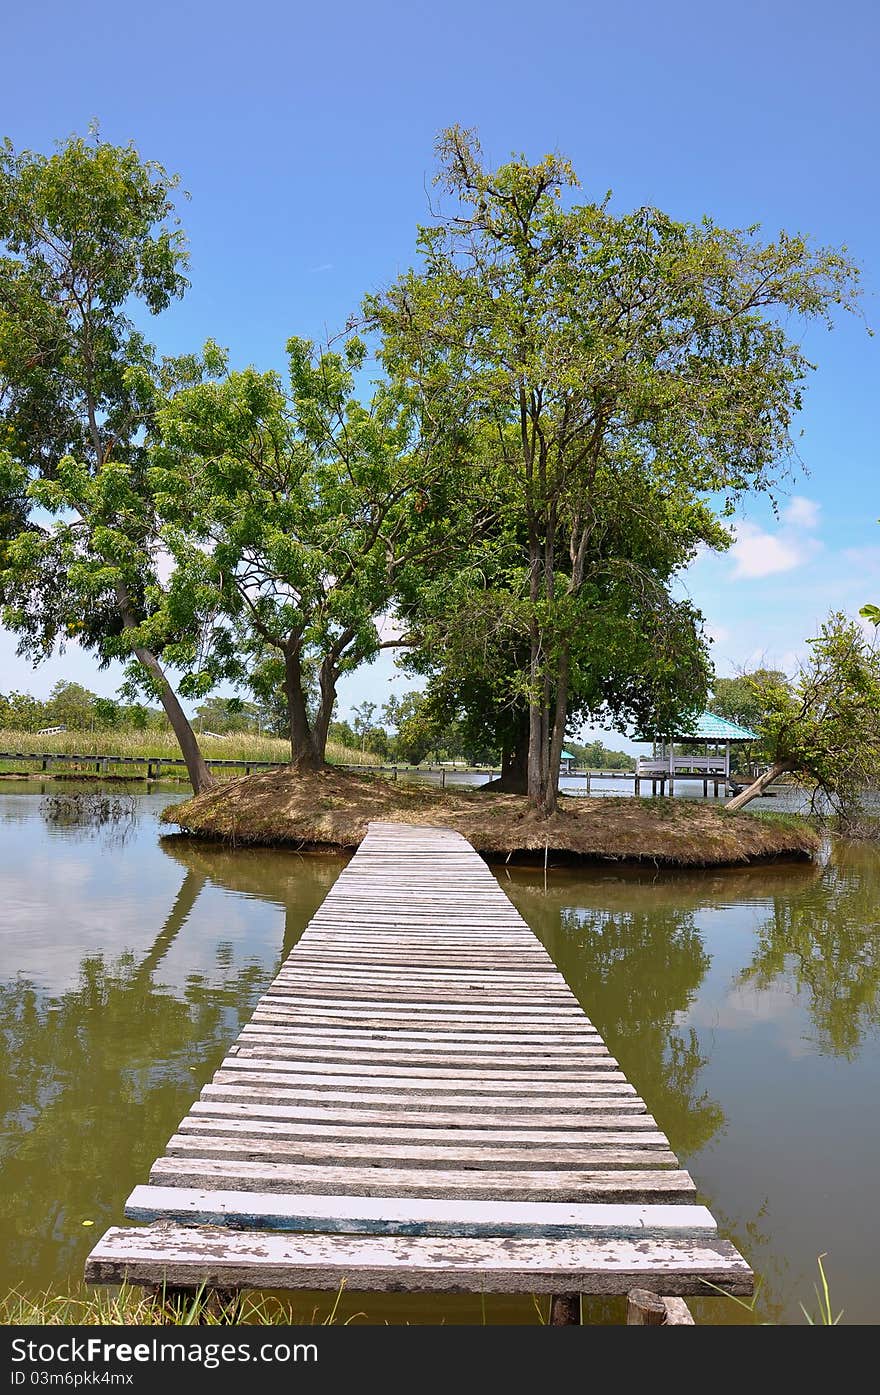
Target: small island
331, 808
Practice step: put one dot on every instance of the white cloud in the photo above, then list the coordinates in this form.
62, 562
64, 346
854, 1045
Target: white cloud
757, 553
802, 513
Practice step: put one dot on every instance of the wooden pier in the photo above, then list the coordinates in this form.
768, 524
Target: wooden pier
420, 1103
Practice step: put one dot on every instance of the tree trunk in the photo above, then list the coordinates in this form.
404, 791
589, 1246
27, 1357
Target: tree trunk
200, 776
557, 735
304, 754
537, 725
327, 680
746, 796
514, 777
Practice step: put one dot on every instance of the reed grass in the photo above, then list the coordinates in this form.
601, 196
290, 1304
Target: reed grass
154, 745
128, 1305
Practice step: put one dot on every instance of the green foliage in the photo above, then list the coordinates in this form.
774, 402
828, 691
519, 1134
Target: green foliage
597, 756
289, 511
593, 361
22, 712
78, 709
86, 235
825, 724
739, 699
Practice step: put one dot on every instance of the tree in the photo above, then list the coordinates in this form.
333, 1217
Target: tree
363, 721
289, 512
71, 705
577, 346
21, 712
85, 234
416, 727
638, 657
825, 725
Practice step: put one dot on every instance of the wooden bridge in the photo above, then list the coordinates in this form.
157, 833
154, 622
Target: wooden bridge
419, 1103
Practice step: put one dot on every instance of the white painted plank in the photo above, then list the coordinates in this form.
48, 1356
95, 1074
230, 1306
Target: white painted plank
188, 1256
412, 1216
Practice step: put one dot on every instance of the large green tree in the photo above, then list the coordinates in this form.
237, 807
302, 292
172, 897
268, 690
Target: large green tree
87, 235
290, 509
637, 654
575, 344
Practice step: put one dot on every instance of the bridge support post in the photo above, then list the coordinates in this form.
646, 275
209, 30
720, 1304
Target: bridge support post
565, 1310
207, 1302
644, 1309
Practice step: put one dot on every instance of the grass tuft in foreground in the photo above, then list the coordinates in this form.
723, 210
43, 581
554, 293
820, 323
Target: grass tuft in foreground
126, 1305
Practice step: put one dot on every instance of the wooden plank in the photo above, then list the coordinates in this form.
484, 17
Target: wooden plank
387, 1017
498, 1066
597, 1153
277, 1089
359, 1108
463, 1010
220, 1117
405, 1038
317, 1053
412, 1216
641, 1185
359, 1075
187, 1256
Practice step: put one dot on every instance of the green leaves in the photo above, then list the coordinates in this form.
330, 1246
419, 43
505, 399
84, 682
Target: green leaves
587, 362
825, 725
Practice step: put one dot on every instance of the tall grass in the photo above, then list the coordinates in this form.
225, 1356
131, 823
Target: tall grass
128, 1305
159, 744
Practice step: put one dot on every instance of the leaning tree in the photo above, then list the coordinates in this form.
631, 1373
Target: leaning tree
824, 725
88, 236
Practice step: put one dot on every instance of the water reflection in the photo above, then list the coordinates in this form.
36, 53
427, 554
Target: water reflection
827, 947
744, 1006
635, 971
111, 1029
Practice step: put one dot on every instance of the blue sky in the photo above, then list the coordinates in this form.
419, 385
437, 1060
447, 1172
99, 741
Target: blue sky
304, 136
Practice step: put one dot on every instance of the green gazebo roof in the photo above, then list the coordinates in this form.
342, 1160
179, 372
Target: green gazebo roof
710, 727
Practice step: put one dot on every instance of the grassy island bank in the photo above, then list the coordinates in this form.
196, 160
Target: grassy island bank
331, 808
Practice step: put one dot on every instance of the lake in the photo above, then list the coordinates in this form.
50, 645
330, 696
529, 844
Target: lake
743, 1005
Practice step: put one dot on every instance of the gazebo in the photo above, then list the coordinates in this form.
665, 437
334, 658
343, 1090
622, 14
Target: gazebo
714, 733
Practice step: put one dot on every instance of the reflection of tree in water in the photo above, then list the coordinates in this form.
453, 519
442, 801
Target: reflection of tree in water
828, 944
298, 882
95, 1080
634, 970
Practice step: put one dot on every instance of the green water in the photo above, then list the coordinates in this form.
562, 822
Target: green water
743, 1005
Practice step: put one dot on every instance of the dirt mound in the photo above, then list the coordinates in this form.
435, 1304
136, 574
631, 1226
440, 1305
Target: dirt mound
331, 808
